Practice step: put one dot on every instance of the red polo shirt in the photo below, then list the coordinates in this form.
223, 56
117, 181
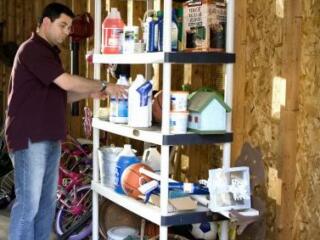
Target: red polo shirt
36, 105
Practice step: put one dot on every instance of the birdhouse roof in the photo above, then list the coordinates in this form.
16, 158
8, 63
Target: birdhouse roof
199, 100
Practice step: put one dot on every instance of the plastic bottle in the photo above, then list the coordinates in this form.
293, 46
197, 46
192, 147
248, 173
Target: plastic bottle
152, 42
112, 30
152, 157
145, 35
139, 103
125, 158
174, 31
119, 107
179, 17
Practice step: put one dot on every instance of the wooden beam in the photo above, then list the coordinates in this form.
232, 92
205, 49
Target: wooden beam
238, 109
291, 72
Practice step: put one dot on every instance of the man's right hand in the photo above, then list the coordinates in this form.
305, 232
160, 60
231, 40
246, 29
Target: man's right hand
116, 90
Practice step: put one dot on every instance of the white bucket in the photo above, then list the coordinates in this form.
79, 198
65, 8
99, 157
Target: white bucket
178, 122
108, 157
179, 101
121, 232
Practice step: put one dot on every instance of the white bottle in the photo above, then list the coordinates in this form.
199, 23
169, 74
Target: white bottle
125, 158
139, 103
146, 30
152, 157
119, 107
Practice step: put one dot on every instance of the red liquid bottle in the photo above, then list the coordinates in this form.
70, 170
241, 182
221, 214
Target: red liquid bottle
112, 30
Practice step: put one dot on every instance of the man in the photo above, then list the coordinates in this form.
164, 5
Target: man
36, 121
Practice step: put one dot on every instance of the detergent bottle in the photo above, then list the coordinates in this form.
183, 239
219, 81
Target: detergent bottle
139, 103
125, 158
119, 107
112, 30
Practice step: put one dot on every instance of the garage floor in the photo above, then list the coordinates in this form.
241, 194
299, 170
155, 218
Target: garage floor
4, 223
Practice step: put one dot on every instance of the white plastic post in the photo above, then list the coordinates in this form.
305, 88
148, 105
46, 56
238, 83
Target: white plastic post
96, 105
165, 115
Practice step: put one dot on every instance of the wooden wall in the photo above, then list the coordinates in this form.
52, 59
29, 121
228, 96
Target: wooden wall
276, 107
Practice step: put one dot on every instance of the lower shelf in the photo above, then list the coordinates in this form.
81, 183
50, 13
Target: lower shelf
154, 135
152, 213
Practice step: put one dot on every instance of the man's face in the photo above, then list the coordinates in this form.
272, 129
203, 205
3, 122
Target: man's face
59, 29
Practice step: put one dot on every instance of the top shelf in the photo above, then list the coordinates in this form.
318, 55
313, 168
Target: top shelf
166, 57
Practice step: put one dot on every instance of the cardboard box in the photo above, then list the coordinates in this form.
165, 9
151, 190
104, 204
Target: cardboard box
176, 204
204, 23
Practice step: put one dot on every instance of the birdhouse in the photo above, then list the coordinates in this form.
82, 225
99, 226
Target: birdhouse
207, 112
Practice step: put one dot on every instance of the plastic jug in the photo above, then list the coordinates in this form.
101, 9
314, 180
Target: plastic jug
112, 30
119, 107
139, 103
125, 158
152, 157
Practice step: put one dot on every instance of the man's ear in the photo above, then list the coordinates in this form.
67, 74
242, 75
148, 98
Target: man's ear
46, 20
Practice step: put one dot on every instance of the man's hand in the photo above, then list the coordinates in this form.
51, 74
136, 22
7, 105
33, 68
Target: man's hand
99, 95
116, 90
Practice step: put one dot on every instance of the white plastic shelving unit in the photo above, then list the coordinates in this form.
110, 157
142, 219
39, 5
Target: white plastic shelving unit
161, 135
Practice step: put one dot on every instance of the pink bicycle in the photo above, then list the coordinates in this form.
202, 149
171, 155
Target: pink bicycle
73, 218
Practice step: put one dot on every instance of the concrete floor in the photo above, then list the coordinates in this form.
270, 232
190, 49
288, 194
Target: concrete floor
4, 223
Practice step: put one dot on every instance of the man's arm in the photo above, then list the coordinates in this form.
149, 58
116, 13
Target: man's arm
74, 83
74, 97
79, 87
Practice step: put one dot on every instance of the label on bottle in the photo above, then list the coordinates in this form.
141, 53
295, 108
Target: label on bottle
112, 37
119, 108
174, 37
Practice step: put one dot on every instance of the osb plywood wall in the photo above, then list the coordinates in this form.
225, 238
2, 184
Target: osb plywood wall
307, 219
276, 108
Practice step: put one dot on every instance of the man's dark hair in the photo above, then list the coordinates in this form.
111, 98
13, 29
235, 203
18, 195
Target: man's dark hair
53, 11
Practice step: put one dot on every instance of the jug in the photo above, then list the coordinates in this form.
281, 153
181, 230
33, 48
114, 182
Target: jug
152, 157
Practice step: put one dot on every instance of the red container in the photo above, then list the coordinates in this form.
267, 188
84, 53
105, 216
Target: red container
112, 31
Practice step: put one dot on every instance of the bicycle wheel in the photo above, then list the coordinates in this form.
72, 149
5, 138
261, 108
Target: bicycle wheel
80, 203
7, 182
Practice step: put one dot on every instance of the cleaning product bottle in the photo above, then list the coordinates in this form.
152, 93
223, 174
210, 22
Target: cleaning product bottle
139, 103
146, 33
153, 26
174, 31
179, 17
152, 157
119, 107
112, 30
125, 158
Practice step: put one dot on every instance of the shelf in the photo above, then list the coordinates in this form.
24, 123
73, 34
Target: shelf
200, 57
161, 57
152, 213
136, 58
154, 135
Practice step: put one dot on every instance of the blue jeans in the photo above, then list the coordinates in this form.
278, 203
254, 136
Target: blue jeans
36, 179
